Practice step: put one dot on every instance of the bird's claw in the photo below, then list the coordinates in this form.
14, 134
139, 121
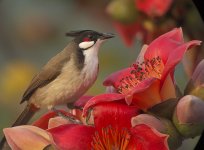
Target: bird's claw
70, 118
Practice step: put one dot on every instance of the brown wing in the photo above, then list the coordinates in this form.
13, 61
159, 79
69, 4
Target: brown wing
48, 73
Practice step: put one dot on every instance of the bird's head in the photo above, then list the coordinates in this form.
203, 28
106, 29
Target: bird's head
88, 38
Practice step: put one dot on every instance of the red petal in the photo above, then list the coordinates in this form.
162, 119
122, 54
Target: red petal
163, 45
168, 89
114, 78
144, 95
128, 31
72, 136
148, 94
113, 114
144, 137
100, 99
43, 121
82, 101
153, 7
144, 85
175, 57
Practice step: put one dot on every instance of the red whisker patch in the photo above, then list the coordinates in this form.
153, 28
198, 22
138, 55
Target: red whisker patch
86, 39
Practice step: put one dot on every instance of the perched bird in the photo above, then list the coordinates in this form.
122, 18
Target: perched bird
67, 76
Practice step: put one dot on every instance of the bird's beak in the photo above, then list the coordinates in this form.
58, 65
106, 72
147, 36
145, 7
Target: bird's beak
105, 36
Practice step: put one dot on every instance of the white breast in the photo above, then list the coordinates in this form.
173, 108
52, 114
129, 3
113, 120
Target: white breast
90, 69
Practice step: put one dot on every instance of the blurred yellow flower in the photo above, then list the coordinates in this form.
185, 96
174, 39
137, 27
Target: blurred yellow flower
15, 77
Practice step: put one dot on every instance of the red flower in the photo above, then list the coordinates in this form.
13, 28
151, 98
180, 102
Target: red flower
34, 136
46, 121
128, 31
150, 80
153, 8
80, 103
112, 130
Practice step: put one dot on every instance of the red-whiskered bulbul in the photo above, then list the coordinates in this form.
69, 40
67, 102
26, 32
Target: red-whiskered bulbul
67, 76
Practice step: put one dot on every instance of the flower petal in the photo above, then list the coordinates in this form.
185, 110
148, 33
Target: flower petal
57, 121
140, 58
149, 120
101, 99
163, 45
114, 78
72, 136
43, 121
145, 137
162, 125
82, 101
153, 8
26, 137
113, 114
128, 31
144, 95
176, 55
147, 94
168, 89
110, 89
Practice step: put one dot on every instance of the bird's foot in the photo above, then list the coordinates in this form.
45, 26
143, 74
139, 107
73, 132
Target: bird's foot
72, 106
70, 118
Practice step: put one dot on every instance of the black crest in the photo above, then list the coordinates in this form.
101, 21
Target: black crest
78, 32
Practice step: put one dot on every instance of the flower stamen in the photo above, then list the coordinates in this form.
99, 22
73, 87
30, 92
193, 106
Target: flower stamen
140, 72
111, 139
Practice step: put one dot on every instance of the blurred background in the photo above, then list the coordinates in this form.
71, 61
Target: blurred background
33, 31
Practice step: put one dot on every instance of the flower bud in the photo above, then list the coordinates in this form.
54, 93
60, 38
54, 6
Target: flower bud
196, 84
189, 116
122, 10
162, 125
198, 74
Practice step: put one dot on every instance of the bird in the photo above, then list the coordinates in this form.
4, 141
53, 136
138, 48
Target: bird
66, 76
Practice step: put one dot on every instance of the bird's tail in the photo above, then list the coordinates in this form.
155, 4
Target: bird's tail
24, 117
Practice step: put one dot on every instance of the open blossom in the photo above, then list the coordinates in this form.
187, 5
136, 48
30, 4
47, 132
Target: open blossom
111, 130
34, 136
130, 22
150, 79
51, 119
162, 125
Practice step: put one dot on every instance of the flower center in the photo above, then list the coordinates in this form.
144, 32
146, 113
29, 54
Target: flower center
111, 139
140, 72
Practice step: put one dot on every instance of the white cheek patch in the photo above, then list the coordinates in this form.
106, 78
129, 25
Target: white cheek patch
87, 44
